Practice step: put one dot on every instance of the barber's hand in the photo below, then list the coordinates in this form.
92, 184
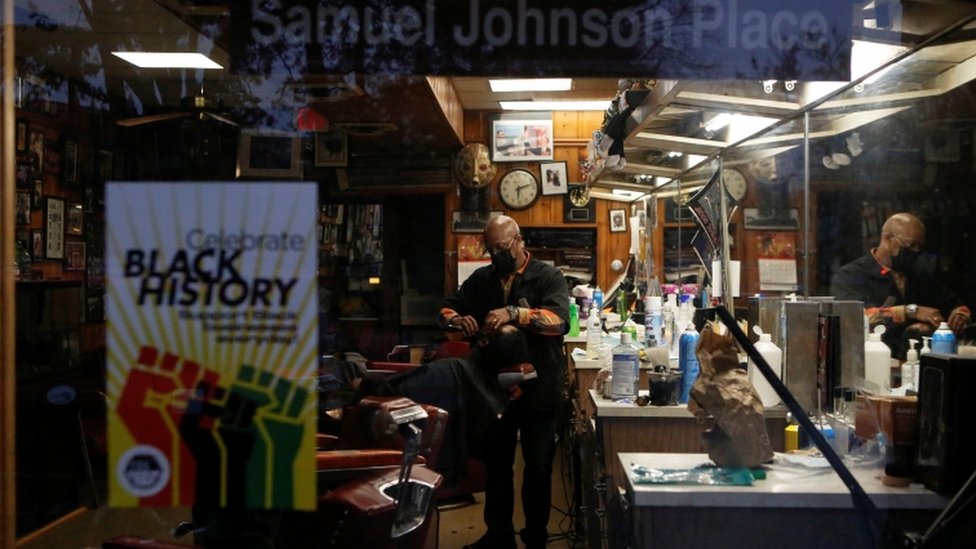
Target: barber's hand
928, 315
958, 319
496, 319
467, 325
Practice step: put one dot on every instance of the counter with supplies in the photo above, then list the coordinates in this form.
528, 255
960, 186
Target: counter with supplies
800, 503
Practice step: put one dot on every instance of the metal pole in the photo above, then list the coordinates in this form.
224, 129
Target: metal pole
806, 204
727, 297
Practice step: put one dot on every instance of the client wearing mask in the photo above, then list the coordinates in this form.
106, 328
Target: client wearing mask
909, 302
522, 291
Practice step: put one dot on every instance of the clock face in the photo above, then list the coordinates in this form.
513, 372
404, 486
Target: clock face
579, 195
518, 189
735, 183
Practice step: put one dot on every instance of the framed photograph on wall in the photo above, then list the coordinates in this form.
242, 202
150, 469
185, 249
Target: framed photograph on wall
21, 136
521, 140
37, 244
554, 178
471, 222
22, 209
54, 229
331, 149
70, 159
103, 166
618, 221
271, 155
37, 193
35, 152
74, 256
75, 224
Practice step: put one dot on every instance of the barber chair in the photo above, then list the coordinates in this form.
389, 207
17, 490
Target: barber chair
386, 442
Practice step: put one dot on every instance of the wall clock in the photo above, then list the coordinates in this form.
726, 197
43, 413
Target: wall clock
735, 183
518, 189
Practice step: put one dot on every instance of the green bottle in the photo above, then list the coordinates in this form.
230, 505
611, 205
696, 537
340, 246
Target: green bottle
574, 327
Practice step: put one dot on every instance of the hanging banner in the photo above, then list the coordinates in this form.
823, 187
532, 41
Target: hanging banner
212, 344
677, 39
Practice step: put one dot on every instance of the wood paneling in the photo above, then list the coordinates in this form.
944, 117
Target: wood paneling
570, 130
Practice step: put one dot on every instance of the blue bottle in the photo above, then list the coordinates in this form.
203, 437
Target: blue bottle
598, 299
943, 340
687, 361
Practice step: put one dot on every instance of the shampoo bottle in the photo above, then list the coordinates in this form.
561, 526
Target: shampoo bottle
574, 320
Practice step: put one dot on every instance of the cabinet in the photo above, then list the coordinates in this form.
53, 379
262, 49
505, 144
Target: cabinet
573, 251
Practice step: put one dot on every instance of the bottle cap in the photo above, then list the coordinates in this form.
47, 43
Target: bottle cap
943, 325
625, 338
764, 337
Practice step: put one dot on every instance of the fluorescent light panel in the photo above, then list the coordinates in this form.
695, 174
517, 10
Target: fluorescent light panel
554, 105
167, 60
531, 84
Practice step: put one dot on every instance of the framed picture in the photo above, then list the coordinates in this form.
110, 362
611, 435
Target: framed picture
54, 229
780, 219
21, 136
269, 155
22, 173
37, 193
331, 148
70, 159
103, 165
37, 244
471, 222
554, 178
35, 145
22, 208
521, 140
618, 221
74, 256
75, 224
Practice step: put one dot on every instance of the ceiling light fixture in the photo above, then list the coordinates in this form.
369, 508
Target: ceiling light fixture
554, 105
167, 60
531, 84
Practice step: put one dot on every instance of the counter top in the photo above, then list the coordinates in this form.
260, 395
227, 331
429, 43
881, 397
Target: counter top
605, 408
786, 485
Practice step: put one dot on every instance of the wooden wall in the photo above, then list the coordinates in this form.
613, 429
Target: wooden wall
571, 131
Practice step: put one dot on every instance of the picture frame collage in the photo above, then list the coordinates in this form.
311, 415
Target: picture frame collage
59, 182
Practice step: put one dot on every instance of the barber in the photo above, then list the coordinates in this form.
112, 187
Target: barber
910, 303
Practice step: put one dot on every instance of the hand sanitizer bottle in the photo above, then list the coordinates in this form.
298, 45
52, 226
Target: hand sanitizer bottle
909, 370
594, 334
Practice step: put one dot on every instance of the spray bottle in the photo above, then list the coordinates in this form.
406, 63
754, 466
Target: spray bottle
688, 361
943, 340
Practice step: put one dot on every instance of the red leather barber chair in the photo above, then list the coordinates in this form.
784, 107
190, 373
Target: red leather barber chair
383, 447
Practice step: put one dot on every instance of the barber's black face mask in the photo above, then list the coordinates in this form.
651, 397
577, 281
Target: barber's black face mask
503, 262
904, 262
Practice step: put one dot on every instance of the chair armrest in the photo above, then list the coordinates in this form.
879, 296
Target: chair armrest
393, 367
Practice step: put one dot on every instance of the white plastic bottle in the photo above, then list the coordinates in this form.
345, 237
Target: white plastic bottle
877, 360
594, 334
625, 373
909, 369
774, 357
926, 348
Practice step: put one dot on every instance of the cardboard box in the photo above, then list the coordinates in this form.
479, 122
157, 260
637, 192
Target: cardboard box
895, 416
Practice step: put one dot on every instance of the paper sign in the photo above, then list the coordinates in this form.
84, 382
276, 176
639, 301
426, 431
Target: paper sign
212, 344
